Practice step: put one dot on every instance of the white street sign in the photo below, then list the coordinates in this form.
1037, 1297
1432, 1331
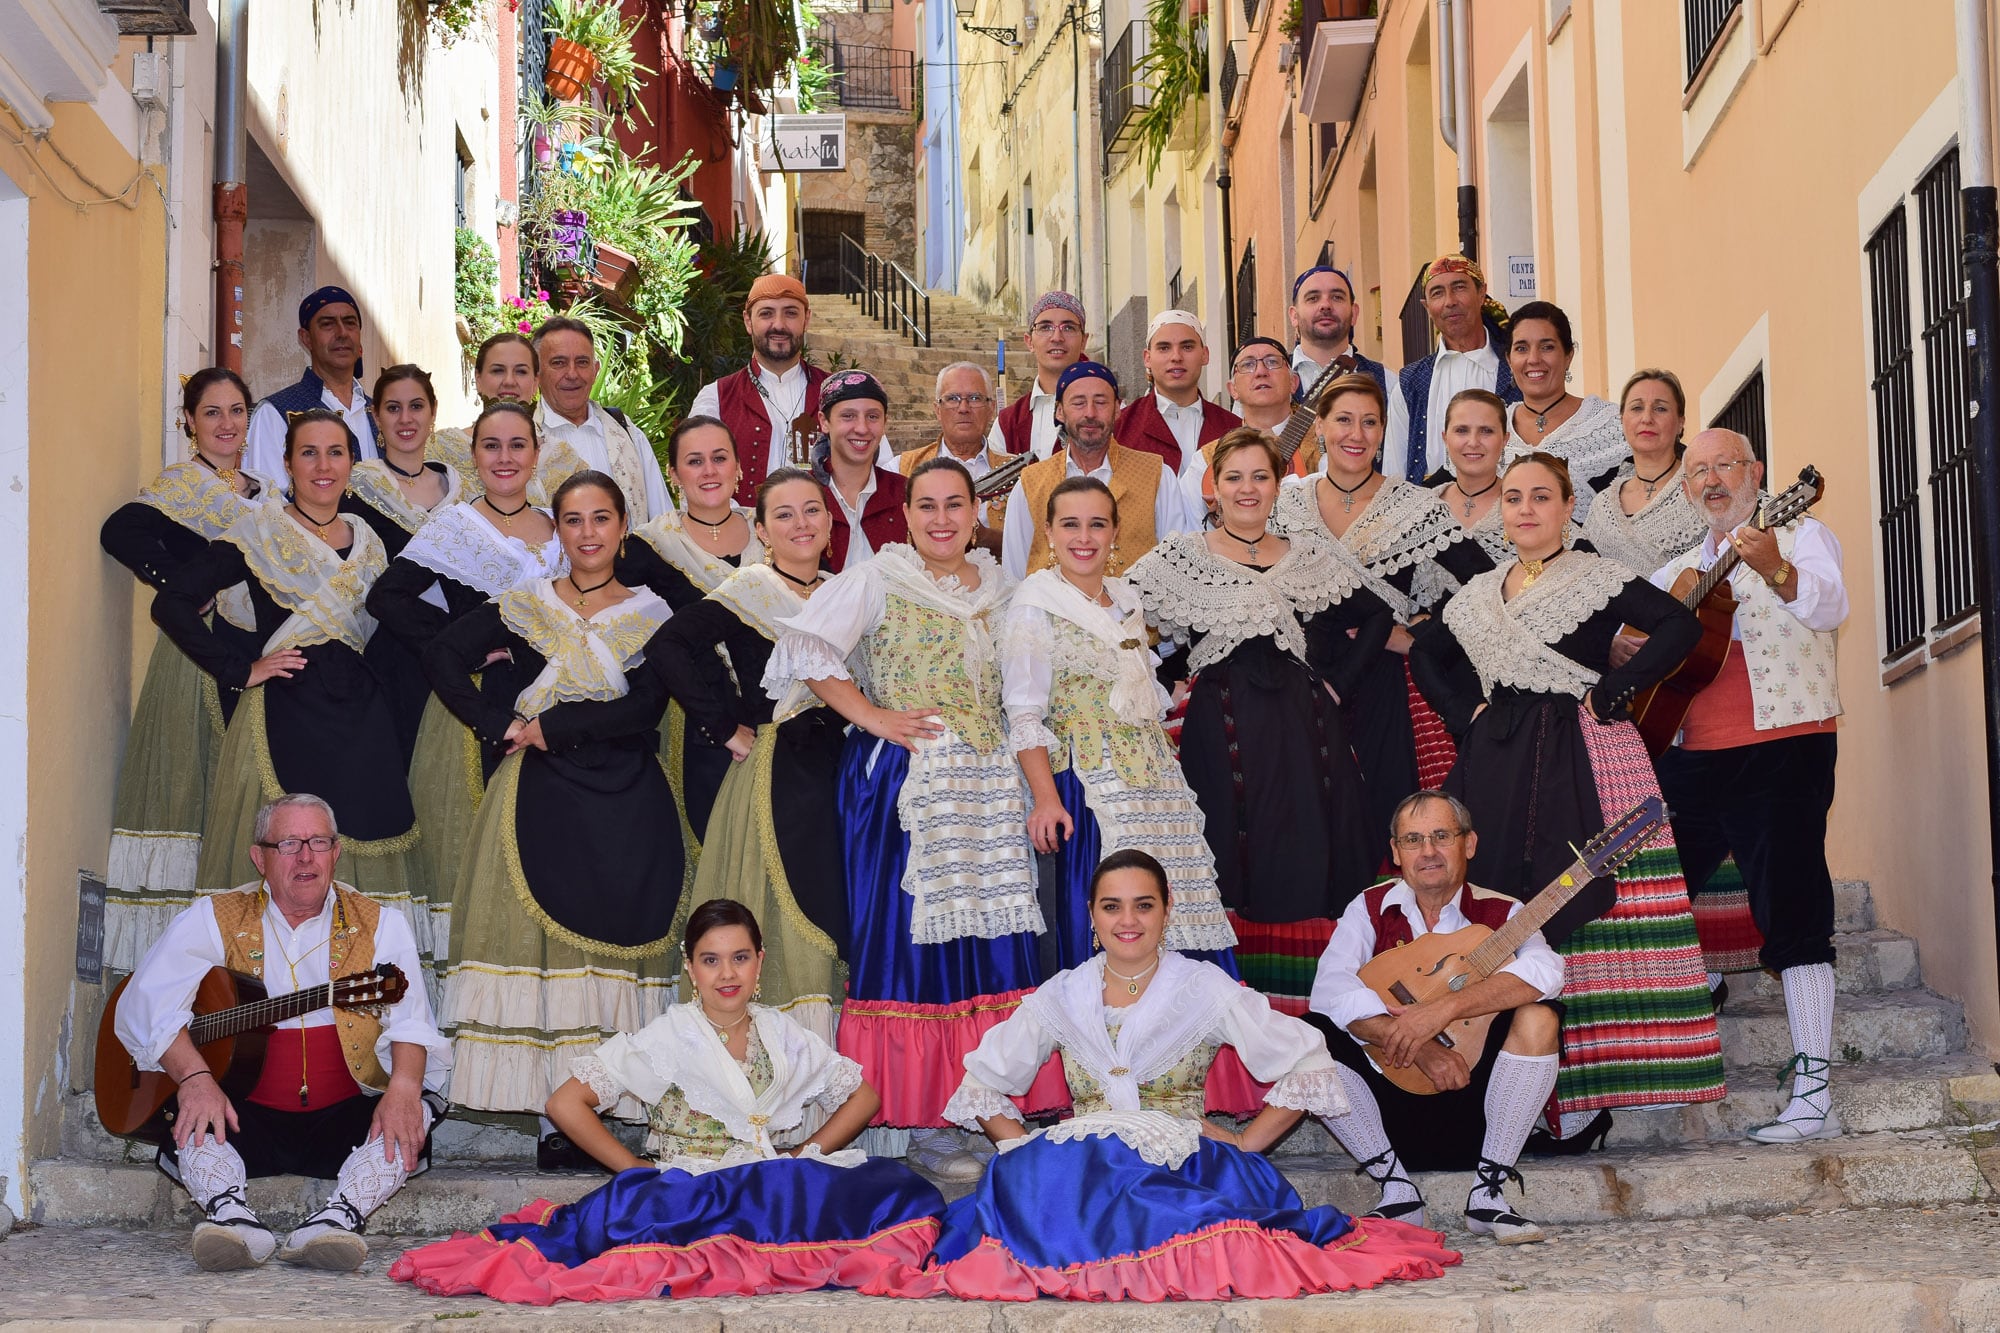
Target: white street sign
803, 143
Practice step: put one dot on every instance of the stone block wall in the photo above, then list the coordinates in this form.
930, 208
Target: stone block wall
880, 181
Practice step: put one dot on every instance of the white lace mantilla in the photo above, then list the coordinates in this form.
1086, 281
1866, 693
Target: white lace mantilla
1665, 528
1592, 443
668, 535
1512, 642
587, 656
760, 597
460, 545
1188, 590
324, 593
372, 482
1433, 582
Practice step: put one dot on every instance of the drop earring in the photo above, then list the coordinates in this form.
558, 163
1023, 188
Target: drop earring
1096, 945
757, 991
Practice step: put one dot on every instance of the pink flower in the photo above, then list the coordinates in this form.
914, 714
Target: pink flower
541, 296
525, 327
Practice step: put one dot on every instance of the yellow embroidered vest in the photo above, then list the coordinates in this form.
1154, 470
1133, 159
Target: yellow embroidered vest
916, 659
239, 915
1136, 478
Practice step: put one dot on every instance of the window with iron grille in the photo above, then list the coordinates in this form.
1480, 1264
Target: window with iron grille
1898, 516
1246, 295
1744, 414
1702, 25
1938, 238
1250, 8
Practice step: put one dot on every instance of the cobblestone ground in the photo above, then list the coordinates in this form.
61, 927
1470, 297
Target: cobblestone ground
1863, 1269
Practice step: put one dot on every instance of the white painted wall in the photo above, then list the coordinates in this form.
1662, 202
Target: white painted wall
13, 687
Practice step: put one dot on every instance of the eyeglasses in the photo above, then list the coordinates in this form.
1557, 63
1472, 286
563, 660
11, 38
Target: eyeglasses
293, 846
1721, 471
965, 400
1250, 363
1416, 842
1048, 326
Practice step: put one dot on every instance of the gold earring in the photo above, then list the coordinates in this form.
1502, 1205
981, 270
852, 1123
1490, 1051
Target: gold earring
1095, 944
757, 991
621, 548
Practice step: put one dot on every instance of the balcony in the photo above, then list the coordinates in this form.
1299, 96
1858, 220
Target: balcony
1337, 43
1120, 97
868, 78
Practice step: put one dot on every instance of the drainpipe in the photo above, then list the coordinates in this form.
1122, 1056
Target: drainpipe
1461, 96
1975, 138
1228, 274
232, 169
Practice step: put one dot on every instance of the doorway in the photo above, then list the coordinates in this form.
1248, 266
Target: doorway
820, 243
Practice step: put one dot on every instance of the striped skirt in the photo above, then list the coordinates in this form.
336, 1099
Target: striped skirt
1638, 1027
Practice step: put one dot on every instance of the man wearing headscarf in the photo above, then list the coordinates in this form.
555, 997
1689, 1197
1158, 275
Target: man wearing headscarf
1150, 504
1056, 335
1471, 354
330, 333
1174, 420
774, 396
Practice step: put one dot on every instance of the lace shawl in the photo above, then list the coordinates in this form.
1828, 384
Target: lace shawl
1111, 649
204, 503
1667, 526
668, 535
760, 597
372, 482
1592, 443
465, 548
1187, 590
1433, 582
305, 576
1512, 642
1401, 525
587, 657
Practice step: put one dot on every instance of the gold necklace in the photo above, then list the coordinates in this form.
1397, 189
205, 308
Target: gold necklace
1533, 568
1132, 983
318, 526
722, 1030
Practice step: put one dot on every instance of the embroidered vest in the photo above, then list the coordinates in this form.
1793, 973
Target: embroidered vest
1017, 423
1079, 714
1180, 1092
307, 392
1482, 907
916, 659
1415, 382
239, 915
1791, 667
744, 410
1136, 478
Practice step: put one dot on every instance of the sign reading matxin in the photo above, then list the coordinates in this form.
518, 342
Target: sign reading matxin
804, 143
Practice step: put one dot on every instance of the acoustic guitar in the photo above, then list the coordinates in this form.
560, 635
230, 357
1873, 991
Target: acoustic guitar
232, 1014
1659, 712
1435, 965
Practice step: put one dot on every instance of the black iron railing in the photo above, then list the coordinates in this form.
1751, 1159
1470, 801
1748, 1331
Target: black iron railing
869, 78
1702, 22
885, 291
1744, 414
1120, 95
1953, 549
1898, 515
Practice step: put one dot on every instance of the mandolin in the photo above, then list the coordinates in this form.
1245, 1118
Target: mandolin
231, 1015
1659, 712
1434, 965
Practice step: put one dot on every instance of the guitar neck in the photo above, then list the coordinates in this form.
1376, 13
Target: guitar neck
259, 1013
1294, 434
1496, 949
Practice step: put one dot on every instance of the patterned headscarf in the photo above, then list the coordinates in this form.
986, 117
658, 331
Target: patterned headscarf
1086, 370
321, 299
845, 384
1493, 312
1300, 281
1057, 301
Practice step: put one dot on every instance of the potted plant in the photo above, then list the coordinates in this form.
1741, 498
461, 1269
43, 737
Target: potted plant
589, 40
616, 271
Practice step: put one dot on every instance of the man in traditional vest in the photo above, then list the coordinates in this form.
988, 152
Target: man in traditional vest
866, 500
330, 333
603, 437
1150, 506
1487, 1100
1056, 337
1322, 315
777, 393
964, 403
1471, 354
1263, 386
341, 1094
1752, 771
1174, 420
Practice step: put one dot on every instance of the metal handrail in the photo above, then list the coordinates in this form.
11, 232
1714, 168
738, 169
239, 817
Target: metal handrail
885, 291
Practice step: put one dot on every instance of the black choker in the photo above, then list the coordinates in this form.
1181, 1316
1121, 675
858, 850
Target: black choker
407, 476
812, 582
487, 500
583, 593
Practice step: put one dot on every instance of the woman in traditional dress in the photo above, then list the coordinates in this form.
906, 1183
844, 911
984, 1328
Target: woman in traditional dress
562, 921
774, 838
1585, 433
684, 555
1083, 717
1518, 664
940, 877
467, 556
1139, 1197
733, 1196
1475, 440
1264, 747
1412, 552
1644, 521
506, 368
311, 714
163, 784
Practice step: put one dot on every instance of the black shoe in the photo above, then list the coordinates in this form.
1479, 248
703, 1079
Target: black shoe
1718, 995
555, 1153
1541, 1143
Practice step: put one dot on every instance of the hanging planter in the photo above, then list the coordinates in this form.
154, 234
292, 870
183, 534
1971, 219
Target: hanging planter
616, 272
726, 76
567, 237
571, 69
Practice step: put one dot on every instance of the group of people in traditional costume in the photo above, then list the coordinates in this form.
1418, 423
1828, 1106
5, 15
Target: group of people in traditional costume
813, 804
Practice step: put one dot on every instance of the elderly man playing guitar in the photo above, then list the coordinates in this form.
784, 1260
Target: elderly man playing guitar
1478, 1100
323, 1103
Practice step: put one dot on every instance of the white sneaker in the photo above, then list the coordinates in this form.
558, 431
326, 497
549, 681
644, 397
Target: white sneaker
939, 1153
330, 1239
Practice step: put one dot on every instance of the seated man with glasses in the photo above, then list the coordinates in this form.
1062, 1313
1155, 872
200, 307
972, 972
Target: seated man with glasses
346, 1094
1488, 1099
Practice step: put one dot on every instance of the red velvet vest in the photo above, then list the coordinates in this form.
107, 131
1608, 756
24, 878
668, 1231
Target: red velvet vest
1482, 907
742, 409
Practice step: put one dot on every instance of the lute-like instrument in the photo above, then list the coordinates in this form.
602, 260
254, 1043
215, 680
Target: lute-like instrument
1659, 712
232, 1014
1435, 965
1291, 435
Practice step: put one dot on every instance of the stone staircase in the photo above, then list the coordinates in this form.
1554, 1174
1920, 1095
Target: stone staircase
960, 331
1919, 1106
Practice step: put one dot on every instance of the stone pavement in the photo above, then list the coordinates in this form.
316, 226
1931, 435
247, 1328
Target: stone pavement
1873, 1270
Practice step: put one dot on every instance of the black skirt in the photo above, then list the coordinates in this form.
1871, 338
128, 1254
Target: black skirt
332, 732
597, 855
805, 770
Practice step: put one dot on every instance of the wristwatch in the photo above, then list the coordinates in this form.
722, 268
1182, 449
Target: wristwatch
1781, 574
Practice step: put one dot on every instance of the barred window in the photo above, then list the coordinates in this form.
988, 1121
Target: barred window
1896, 439
1246, 295
1939, 227
1744, 414
1702, 25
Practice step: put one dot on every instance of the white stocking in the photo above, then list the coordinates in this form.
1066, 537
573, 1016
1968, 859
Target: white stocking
1809, 1009
211, 1170
1515, 1095
1360, 1132
364, 1184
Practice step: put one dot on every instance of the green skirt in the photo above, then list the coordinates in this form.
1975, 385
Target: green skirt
521, 1000
162, 803
803, 974
382, 868
447, 784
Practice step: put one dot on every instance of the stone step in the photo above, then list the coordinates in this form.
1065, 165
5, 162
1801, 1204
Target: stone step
1924, 1169
1853, 905
1888, 1026
1865, 961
